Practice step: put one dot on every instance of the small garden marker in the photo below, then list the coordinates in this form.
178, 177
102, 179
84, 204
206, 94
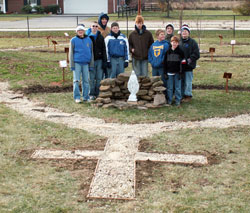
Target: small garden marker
221, 37
54, 43
227, 75
212, 51
233, 42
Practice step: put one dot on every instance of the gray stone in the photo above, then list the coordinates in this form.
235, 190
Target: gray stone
148, 84
106, 100
159, 89
145, 80
151, 92
146, 97
108, 81
118, 82
111, 105
155, 79
105, 88
157, 84
159, 99
123, 77
116, 89
142, 92
107, 94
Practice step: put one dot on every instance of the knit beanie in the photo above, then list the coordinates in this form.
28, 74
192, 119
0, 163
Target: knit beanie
80, 27
185, 28
170, 25
139, 19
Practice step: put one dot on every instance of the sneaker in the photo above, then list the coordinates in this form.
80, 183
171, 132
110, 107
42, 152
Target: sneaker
78, 101
92, 98
187, 99
87, 101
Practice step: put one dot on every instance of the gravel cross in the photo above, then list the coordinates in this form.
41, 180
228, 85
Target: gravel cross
115, 172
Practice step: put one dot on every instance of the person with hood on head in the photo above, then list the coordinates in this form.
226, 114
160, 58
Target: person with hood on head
102, 22
104, 30
81, 60
169, 32
100, 58
140, 41
192, 53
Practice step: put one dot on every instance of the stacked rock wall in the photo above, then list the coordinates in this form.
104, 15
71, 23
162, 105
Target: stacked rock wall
114, 92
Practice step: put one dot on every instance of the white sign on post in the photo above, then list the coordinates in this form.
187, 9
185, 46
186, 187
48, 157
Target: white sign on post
66, 34
233, 42
63, 63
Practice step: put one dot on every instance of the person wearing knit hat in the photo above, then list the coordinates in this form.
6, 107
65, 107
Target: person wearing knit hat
81, 60
192, 53
140, 41
169, 32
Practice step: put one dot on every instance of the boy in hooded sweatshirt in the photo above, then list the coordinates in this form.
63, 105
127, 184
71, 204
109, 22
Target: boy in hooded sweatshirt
169, 32
117, 50
157, 53
81, 58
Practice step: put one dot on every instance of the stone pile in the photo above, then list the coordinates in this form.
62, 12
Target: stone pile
114, 93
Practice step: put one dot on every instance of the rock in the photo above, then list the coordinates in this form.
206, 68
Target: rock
118, 82
142, 108
118, 94
105, 88
159, 99
107, 94
145, 80
148, 84
123, 77
155, 79
106, 100
146, 97
151, 106
142, 92
141, 103
111, 105
124, 86
99, 104
108, 81
157, 84
151, 92
116, 89
99, 100
125, 91
159, 89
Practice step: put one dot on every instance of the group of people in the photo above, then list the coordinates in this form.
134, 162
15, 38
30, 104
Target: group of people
102, 52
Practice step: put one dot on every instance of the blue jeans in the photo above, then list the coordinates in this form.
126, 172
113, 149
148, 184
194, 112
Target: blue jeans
186, 84
81, 71
95, 78
174, 85
160, 72
117, 66
140, 67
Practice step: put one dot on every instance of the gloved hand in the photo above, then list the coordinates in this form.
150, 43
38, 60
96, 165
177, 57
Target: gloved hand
125, 64
104, 65
189, 61
108, 64
72, 68
166, 76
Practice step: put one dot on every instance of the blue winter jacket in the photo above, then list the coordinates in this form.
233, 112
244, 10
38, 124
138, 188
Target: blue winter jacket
157, 52
81, 51
117, 46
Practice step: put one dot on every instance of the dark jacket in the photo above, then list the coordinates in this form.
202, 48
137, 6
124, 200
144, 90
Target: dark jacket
191, 51
141, 42
99, 47
172, 61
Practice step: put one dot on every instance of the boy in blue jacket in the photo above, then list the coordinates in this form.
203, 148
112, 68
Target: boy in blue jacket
81, 57
117, 50
157, 53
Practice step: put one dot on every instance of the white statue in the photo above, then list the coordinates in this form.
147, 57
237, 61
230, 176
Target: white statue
133, 87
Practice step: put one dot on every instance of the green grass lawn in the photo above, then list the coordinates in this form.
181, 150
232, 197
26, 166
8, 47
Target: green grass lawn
60, 186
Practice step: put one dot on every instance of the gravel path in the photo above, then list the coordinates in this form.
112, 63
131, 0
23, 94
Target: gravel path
115, 172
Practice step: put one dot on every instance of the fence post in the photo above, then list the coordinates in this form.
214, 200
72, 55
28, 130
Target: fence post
28, 26
76, 20
127, 24
234, 27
